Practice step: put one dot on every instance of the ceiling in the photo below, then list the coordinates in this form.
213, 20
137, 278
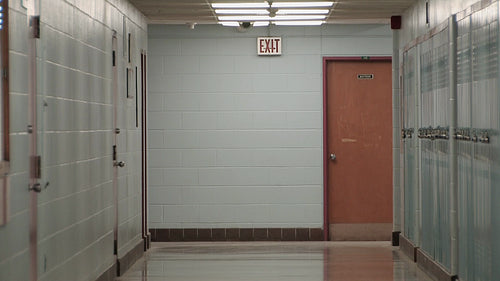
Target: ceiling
200, 11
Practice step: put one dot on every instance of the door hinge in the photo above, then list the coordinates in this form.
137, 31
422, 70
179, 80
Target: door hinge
35, 26
114, 58
36, 167
114, 152
115, 247
5, 72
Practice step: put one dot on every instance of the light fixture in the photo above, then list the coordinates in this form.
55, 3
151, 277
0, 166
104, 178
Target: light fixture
241, 12
230, 23
297, 23
244, 18
302, 12
261, 23
268, 18
263, 13
301, 4
240, 5
238, 24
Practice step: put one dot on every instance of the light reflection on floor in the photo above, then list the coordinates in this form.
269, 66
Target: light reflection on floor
274, 261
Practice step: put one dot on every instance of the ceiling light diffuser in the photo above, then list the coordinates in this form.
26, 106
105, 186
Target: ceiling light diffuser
299, 17
316, 22
237, 24
230, 23
241, 12
261, 23
302, 12
279, 13
268, 18
243, 18
240, 5
301, 4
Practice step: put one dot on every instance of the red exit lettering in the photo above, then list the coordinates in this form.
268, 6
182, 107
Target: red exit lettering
269, 46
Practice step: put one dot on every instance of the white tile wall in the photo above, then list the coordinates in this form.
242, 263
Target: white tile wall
247, 129
75, 233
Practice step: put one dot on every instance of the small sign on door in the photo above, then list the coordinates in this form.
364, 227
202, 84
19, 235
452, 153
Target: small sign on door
269, 46
365, 76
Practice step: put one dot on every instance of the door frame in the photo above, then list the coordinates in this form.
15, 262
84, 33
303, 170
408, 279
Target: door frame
326, 60
5, 115
115, 90
146, 235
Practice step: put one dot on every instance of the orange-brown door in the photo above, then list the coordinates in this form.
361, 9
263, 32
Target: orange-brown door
359, 134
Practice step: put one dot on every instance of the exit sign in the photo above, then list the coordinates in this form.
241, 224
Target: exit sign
269, 46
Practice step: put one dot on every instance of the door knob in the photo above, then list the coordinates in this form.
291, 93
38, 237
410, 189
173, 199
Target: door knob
120, 164
333, 156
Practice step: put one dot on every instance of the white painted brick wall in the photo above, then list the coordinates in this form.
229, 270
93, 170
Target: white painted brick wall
76, 218
236, 139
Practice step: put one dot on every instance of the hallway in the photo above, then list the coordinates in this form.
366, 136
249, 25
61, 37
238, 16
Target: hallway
121, 126
340, 261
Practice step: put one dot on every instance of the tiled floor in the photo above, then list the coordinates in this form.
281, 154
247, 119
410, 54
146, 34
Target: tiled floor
274, 261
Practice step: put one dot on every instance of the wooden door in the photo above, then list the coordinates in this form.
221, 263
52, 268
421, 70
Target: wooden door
359, 141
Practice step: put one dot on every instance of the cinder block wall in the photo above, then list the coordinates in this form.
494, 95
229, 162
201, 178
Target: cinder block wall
235, 140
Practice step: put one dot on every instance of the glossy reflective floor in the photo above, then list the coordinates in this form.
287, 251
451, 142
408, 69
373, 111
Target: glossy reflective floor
275, 261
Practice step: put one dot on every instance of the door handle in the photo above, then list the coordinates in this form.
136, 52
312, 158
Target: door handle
120, 164
333, 157
37, 187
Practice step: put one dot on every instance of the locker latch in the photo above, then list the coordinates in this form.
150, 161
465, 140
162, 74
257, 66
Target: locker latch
35, 26
36, 167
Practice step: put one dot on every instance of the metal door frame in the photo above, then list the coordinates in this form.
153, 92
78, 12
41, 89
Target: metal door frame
114, 44
326, 159
144, 151
5, 125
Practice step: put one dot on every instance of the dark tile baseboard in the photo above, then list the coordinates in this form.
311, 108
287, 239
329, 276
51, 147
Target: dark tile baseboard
407, 247
423, 261
430, 266
395, 238
124, 263
236, 234
108, 275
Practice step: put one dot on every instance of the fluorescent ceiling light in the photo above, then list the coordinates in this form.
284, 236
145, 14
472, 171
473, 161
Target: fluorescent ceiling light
300, 17
237, 24
230, 23
261, 23
302, 12
301, 4
240, 5
242, 11
268, 18
244, 18
315, 22
265, 4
